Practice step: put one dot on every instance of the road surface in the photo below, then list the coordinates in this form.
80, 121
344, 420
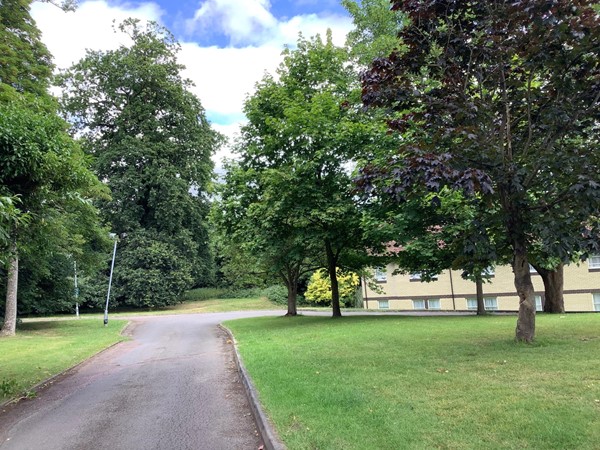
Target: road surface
173, 386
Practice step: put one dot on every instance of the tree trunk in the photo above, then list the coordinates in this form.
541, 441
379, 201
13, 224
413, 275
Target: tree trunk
291, 300
290, 277
10, 314
553, 289
479, 290
331, 269
525, 331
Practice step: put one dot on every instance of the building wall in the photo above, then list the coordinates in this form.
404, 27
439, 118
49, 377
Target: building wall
450, 291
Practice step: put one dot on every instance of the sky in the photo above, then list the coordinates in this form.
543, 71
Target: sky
227, 45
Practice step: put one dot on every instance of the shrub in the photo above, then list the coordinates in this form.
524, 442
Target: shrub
319, 288
276, 293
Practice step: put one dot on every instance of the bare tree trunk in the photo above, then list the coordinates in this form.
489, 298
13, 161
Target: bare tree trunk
479, 290
553, 288
290, 277
331, 269
10, 313
291, 300
526, 320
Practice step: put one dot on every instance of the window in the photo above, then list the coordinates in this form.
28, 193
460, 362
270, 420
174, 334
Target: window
384, 304
380, 274
488, 272
416, 276
594, 262
434, 304
538, 303
418, 304
489, 304
597, 302
431, 303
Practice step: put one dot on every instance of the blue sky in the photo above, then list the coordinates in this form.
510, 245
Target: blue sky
227, 45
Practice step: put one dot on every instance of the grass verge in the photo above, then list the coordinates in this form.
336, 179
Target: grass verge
46, 348
390, 382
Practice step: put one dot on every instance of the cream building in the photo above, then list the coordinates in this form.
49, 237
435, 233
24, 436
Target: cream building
450, 292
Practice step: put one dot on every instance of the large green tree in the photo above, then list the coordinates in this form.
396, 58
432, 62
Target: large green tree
500, 99
304, 133
151, 144
44, 178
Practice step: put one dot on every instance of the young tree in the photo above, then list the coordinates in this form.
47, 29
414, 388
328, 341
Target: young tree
151, 144
259, 230
304, 131
499, 98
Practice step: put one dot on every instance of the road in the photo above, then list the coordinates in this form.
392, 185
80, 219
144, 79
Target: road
173, 386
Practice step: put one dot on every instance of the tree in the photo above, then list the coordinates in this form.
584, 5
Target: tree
375, 29
499, 99
46, 170
303, 135
259, 231
151, 144
25, 62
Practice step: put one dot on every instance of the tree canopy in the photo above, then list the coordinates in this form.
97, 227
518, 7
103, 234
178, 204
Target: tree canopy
151, 144
498, 99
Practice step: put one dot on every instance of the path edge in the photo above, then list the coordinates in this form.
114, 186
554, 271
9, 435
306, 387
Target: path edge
265, 427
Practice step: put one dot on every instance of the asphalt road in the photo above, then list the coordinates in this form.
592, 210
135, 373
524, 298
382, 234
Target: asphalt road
173, 386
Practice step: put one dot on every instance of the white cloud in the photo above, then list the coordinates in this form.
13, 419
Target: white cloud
223, 76
249, 22
242, 20
68, 35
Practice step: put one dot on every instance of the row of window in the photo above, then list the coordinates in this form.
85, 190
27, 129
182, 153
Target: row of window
490, 303
381, 274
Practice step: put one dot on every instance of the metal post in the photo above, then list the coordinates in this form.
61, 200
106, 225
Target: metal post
112, 267
76, 290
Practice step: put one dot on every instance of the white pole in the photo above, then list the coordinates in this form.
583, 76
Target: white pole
76, 291
112, 267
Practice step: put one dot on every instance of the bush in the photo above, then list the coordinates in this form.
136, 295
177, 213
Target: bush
276, 293
319, 288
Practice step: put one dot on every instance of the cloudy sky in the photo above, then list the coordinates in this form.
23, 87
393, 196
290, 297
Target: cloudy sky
227, 45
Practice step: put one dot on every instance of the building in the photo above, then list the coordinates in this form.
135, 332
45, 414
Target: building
450, 292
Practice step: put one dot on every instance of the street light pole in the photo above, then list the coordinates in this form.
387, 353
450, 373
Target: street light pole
112, 267
76, 291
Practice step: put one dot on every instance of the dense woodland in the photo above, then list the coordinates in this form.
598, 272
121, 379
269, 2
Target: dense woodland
443, 135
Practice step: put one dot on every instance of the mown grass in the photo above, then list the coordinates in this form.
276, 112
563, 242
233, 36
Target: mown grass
46, 348
392, 382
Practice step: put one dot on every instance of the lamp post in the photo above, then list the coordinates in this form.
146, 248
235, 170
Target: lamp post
76, 290
112, 267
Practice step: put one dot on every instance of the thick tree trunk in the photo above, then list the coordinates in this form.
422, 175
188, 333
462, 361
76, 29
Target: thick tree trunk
331, 269
10, 313
292, 287
479, 290
290, 278
526, 320
553, 289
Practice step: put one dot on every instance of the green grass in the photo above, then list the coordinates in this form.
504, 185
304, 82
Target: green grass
45, 348
214, 305
206, 306
426, 382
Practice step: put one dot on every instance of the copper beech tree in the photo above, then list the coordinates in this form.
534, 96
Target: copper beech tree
498, 99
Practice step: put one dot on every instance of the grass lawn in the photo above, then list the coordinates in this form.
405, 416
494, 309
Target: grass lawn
43, 349
393, 382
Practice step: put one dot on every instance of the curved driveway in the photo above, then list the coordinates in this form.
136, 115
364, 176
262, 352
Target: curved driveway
173, 386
